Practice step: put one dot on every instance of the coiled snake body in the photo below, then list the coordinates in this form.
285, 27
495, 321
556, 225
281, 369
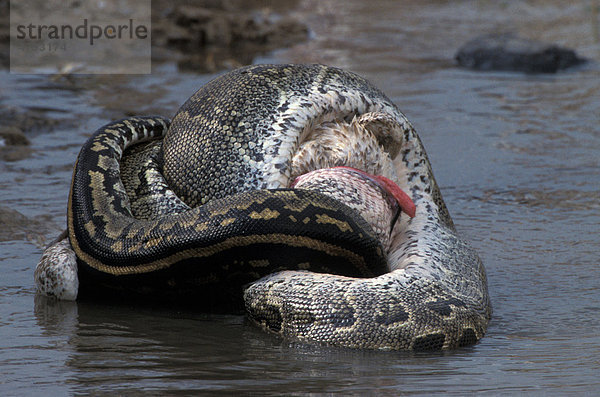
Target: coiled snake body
223, 217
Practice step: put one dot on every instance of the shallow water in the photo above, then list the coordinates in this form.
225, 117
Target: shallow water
518, 161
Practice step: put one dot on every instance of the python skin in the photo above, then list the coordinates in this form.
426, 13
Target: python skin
201, 211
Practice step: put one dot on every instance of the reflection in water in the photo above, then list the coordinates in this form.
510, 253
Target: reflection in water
119, 348
55, 317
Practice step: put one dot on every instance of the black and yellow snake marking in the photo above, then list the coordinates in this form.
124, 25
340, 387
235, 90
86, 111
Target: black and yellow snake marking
286, 228
229, 155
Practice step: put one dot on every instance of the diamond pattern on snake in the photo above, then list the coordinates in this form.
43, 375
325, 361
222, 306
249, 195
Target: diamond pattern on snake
298, 194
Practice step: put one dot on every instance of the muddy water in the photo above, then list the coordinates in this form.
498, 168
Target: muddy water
518, 161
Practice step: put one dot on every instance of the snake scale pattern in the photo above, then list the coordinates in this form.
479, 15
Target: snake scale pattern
199, 208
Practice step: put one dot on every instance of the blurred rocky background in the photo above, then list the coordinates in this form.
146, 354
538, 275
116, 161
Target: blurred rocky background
207, 35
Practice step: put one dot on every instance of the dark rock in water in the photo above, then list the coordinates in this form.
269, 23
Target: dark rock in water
16, 226
17, 124
12, 136
14, 145
509, 52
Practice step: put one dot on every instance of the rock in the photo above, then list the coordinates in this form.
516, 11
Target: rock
16, 226
18, 123
13, 144
508, 52
12, 136
209, 37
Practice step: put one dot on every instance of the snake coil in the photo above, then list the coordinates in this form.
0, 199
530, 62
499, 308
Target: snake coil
223, 217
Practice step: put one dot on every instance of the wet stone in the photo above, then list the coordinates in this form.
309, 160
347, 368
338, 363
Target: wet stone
12, 136
208, 36
16, 226
508, 52
14, 145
